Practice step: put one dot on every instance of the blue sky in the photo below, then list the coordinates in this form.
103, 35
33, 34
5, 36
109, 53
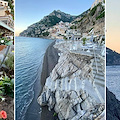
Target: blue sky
28, 12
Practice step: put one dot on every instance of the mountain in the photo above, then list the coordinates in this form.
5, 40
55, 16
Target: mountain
48, 21
112, 107
112, 57
91, 19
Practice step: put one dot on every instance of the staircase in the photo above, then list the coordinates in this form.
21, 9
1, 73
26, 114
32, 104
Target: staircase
98, 72
98, 76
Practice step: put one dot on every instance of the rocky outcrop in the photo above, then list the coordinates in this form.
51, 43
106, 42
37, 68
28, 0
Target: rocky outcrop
70, 90
112, 57
92, 19
113, 107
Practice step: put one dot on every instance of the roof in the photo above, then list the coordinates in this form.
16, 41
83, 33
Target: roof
6, 26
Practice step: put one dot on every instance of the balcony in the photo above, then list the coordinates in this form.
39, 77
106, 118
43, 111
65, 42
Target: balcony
7, 20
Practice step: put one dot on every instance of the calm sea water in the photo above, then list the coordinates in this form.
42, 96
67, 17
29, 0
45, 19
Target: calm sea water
29, 53
113, 80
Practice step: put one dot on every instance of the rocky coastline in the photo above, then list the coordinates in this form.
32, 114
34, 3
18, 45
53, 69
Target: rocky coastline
112, 107
68, 90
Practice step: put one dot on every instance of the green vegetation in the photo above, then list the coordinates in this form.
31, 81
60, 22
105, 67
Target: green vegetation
55, 114
45, 33
75, 22
83, 16
84, 41
10, 62
73, 27
49, 21
92, 12
90, 29
101, 15
4, 41
65, 38
6, 86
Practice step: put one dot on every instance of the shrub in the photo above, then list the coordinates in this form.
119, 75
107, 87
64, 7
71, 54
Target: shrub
46, 33
4, 41
7, 86
84, 39
10, 62
101, 15
73, 27
65, 38
92, 12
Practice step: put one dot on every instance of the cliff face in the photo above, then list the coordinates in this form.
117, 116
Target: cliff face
113, 107
92, 19
70, 88
112, 57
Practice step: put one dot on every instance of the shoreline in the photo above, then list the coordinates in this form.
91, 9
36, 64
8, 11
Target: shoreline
39, 37
50, 59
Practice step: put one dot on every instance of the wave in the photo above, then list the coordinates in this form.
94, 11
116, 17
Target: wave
29, 58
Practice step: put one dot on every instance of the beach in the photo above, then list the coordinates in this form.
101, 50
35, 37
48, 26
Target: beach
49, 62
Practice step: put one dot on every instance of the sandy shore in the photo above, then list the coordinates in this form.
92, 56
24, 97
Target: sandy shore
49, 62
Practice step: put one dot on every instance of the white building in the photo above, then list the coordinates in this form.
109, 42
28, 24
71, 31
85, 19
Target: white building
5, 14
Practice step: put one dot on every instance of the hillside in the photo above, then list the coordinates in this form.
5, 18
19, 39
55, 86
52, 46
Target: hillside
112, 57
91, 19
113, 107
48, 21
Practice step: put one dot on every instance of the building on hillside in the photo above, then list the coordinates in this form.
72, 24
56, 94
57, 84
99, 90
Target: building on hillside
5, 14
96, 3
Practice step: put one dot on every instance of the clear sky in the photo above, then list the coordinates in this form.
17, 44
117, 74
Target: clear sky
113, 24
28, 12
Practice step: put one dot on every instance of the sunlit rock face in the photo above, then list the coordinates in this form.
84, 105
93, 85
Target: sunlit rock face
71, 89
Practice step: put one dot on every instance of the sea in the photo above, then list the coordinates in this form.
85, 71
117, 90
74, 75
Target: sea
113, 79
29, 54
